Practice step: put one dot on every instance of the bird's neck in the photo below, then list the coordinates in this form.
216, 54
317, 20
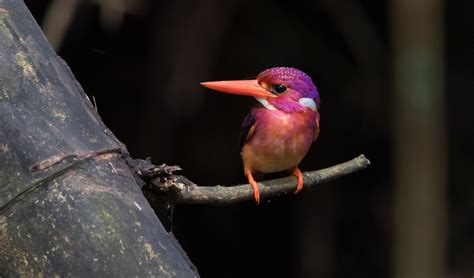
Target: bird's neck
289, 105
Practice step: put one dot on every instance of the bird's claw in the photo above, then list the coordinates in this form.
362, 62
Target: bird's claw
256, 194
299, 176
254, 184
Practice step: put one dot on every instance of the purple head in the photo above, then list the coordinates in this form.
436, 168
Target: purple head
282, 88
281, 80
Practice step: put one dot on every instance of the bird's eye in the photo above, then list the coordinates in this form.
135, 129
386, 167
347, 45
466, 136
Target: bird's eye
278, 88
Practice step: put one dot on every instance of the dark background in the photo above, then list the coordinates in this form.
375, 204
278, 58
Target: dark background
142, 62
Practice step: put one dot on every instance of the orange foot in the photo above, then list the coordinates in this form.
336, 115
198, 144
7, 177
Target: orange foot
299, 176
253, 183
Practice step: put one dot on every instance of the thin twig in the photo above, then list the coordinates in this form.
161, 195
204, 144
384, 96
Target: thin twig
222, 195
81, 155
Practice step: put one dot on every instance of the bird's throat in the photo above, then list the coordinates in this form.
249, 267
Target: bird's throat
265, 103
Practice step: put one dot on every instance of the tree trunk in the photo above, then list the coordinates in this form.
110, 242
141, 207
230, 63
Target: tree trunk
420, 210
69, 204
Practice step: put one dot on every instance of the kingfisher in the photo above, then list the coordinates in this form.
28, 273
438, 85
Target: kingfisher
279, 130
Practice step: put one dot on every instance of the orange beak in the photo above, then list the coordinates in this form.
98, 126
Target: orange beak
239, 87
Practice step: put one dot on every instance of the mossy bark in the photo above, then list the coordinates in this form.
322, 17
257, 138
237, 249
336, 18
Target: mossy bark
69, 204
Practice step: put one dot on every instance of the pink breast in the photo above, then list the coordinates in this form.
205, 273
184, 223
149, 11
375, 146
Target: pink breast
280, 141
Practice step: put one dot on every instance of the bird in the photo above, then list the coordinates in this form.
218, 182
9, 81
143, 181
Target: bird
280, 129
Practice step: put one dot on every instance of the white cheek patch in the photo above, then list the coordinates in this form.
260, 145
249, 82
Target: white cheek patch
265, 103
308, 102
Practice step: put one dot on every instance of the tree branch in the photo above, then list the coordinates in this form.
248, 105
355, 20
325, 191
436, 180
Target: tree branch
187, 192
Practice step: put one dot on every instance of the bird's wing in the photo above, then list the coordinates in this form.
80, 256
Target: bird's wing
248, 128
316, 129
